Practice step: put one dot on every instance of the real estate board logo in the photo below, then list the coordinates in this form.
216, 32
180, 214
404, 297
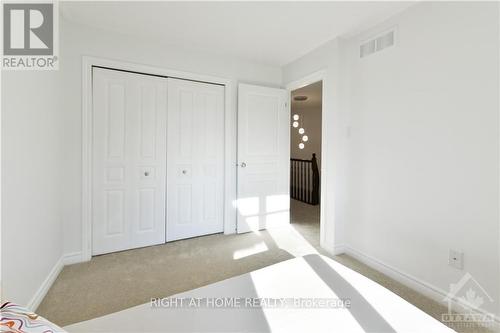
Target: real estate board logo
29, 36
466, 300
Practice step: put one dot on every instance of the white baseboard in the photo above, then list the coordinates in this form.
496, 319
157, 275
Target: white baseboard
67, 259
339, 249
47, 283
408, 280
73, 258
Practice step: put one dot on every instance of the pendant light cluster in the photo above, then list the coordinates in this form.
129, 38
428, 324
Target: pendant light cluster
301, 130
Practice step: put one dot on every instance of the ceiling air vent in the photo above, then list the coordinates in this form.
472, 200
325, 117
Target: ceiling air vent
376, 44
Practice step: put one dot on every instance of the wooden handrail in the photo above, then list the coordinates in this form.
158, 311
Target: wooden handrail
305, 180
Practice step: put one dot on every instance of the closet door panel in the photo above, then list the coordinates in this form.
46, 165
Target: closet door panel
195, 159
129, 160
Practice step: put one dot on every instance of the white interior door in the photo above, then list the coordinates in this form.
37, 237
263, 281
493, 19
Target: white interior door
129, 160
263, 158
195, 159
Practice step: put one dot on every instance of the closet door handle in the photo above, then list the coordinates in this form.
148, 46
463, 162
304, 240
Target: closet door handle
243, 165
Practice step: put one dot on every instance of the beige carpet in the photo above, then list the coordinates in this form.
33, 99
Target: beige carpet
117, 281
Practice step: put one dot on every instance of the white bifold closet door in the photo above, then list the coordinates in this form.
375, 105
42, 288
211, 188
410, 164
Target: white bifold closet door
195, 163
158, 160
129, 160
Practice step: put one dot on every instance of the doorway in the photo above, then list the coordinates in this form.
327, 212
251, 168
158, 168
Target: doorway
305, 160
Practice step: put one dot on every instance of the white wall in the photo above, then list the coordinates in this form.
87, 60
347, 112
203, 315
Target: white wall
31, 181
79, 40
422, 162
425, 145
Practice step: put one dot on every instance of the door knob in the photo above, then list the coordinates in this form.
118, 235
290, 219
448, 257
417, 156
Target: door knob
243, 164
184, 171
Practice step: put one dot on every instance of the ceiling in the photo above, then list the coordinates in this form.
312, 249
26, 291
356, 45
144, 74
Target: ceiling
272, 33
313, 93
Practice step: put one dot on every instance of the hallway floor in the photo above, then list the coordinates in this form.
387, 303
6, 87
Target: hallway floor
305, 219
116, 281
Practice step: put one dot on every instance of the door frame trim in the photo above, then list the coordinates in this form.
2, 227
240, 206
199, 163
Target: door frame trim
325, 221
88, 62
